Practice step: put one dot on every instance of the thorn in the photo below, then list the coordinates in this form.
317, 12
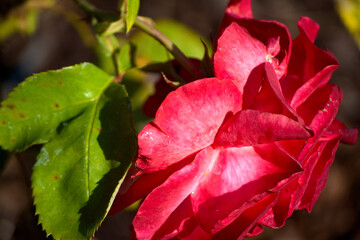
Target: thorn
168, 81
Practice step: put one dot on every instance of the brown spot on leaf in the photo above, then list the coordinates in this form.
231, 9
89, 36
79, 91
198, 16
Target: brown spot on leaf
56, 105
23, 99
3, 122
98, 129
21, 115
13, 140
55, 176
60, 83
10, 106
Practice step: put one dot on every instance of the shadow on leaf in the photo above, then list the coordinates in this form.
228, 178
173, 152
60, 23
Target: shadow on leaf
117, 140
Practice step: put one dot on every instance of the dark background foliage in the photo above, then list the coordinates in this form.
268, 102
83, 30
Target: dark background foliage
55, 44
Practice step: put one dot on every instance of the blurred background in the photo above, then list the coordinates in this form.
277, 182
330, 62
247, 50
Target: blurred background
55, 43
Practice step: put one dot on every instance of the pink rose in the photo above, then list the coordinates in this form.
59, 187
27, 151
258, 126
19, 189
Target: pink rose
226, 155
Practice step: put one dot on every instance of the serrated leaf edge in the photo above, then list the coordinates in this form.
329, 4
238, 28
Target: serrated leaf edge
97, 99
33, 78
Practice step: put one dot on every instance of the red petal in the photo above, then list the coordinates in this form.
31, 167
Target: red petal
308, 166
239, 9
308, 27
291, 147
348, 136
263, 92
319, 175
176, 221
137, 185
291, 196
273, 35
283, 209
251, 127
303, 192
237, 54
256, 230
309, 87
236, 9
245, 222
236, 179
192, 230
186, 122
306, 64
318, 112
165, 199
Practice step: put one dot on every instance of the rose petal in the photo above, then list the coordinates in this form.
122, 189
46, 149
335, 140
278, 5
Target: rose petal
308, 27
246, 221
306, 63
291, 147
176, 221
239, 9
319, 111
186, 122
236, 179
270, 32
348, 136
237, 54
273, 35
275, 217
137, 185
263, 87
166, 198
192, 230
309, 87
303, 192
251, 127
319, 175
308, 166
291, 195
254, 231
235, 9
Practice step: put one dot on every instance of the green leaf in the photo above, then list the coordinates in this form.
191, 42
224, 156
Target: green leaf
149, 50
125, 58
78, 174
34, 110
85, 121
132, 9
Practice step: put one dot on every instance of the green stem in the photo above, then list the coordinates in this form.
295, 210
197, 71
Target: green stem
114, 57
146, 27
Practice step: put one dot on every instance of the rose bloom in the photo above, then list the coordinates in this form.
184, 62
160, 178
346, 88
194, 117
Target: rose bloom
227, 155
